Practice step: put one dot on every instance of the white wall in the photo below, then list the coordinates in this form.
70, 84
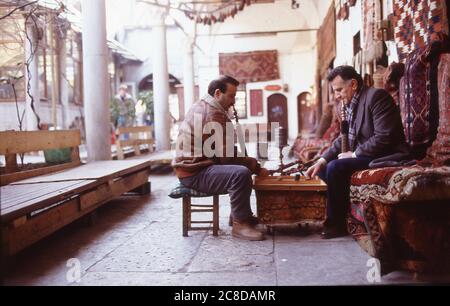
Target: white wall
296, 50
345, 30
9, 119
296, 53
140, 42
297, 71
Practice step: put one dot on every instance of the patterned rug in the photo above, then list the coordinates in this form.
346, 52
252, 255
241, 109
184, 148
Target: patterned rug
439, 153
419, 100
415, 21
400, 216
246, 67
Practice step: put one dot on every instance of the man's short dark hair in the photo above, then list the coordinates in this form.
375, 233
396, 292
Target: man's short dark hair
221, 84
346, 73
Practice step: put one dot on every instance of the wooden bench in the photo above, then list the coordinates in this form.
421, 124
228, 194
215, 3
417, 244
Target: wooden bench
14, 143
140, 139
36, 202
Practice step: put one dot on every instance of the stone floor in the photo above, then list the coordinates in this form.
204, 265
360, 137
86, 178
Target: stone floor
137, 241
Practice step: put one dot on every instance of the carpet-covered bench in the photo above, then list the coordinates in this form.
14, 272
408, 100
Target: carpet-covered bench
401, 215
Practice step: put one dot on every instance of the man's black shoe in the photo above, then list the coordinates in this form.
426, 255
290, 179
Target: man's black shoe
333, 231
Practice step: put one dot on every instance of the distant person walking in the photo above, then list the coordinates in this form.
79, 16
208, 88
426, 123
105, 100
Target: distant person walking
124, 107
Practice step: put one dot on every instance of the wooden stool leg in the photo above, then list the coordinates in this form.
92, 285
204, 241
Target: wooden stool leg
186, 214
189, 215
216, 215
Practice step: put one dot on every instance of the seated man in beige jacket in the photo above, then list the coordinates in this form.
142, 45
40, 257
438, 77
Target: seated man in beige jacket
206, 161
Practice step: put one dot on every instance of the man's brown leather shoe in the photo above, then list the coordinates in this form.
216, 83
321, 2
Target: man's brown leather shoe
246, 231
252, 220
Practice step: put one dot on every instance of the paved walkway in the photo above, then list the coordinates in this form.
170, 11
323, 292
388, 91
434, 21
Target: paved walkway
138, 241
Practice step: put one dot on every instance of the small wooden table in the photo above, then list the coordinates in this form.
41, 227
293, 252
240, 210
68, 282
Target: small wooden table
282, 200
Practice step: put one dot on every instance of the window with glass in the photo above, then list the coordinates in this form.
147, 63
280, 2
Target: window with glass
12, 52
73, 73
44, 67
241, 102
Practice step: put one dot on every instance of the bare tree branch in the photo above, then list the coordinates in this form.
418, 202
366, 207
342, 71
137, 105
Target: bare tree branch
17, 8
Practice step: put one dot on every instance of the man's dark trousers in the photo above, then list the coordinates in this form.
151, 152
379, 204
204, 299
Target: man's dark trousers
236, 180
337, 177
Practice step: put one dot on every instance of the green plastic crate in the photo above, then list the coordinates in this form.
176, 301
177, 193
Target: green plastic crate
58, 156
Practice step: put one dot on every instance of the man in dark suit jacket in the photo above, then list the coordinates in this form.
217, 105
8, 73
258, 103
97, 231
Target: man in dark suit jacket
375, 137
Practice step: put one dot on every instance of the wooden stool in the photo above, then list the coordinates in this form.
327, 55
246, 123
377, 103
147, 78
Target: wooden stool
189, 208
181, 191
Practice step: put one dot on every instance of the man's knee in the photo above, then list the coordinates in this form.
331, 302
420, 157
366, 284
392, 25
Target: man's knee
242, 173
335, 167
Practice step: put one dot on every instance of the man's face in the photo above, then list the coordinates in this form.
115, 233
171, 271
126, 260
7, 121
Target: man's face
344, 90
228, 98
122, 92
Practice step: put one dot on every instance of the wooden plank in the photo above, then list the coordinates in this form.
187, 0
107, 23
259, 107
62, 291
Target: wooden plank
38, 227
75, 154
6, 179
129, 152
119, 149
129, 183
13, 142
112, 189
135, 129
11, 163
102, 171
101, 194
293, 188
19, 221
288, 183
139, 136
29, 230
134, 142
23, 231
16, 194
26, 206
162, 156
157, 158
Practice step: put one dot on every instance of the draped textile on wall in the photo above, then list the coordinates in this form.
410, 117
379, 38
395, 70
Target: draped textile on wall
372, 46
246, 67
326, 52
326, 40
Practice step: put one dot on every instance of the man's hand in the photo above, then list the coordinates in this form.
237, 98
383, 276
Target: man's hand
314, 169
263, 172
348, 154
252, 163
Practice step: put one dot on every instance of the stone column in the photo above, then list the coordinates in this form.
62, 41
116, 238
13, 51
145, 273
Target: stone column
160, 80
31, 78
96, 80
188, 75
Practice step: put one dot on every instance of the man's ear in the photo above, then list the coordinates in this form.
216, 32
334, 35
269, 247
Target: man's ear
217, 93
354, 84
